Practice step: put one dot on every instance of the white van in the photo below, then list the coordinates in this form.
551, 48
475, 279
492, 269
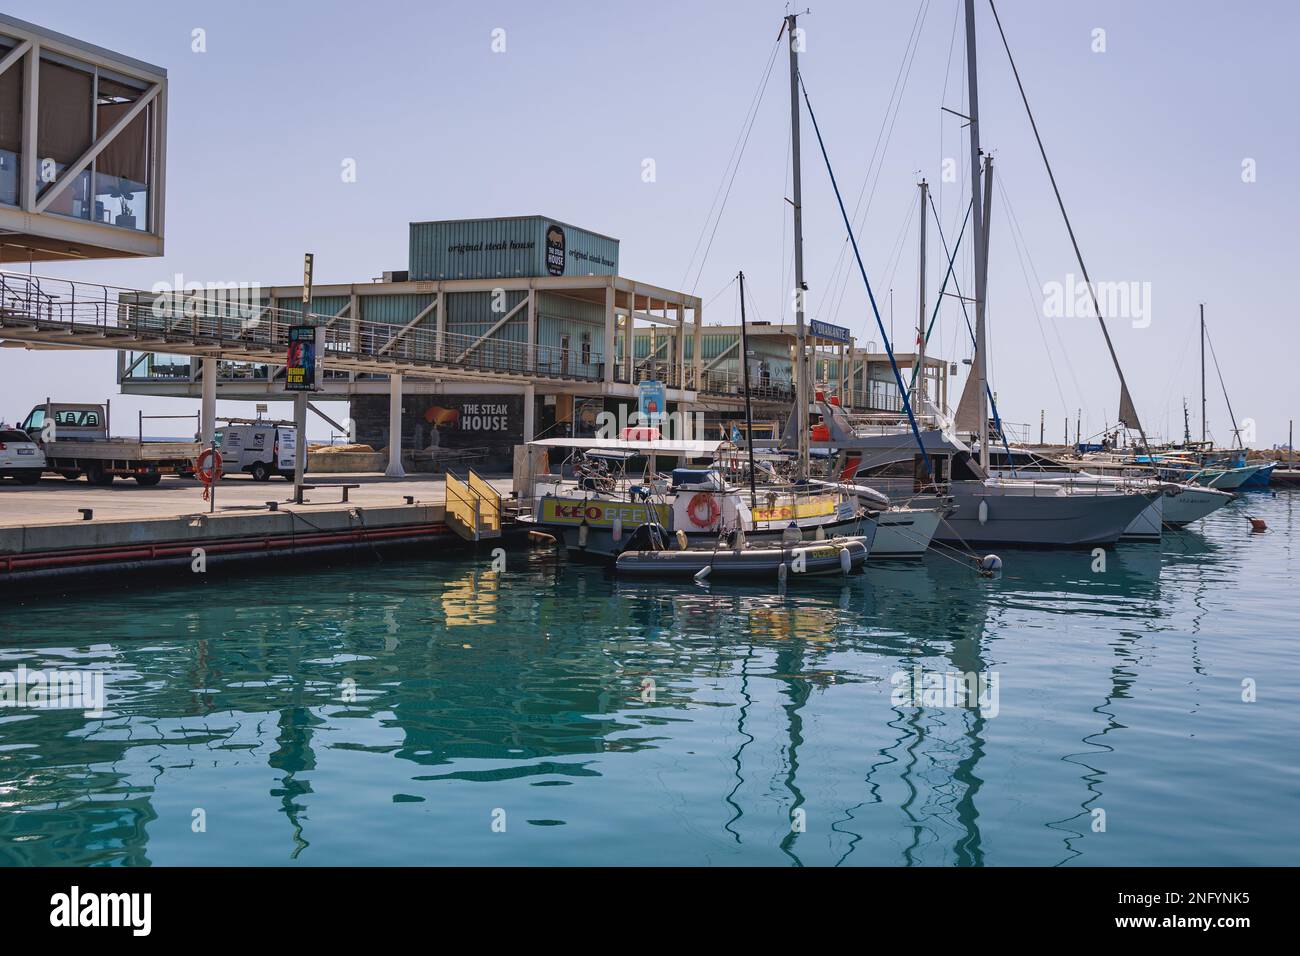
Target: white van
262, 449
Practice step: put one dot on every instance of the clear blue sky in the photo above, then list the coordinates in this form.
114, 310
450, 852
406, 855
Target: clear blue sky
1147, 138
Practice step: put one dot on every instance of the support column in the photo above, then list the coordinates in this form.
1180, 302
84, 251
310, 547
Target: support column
530, 363
697, 346
850, 399
440, 326
629, 335
208, 413
609, 333
299, 443
530, 412
680, 342
395, 469
29, 167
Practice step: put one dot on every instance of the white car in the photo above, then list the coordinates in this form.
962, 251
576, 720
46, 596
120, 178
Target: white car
20, 457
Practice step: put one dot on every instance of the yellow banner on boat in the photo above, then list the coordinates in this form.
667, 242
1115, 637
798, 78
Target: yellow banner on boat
599, 514
805, 508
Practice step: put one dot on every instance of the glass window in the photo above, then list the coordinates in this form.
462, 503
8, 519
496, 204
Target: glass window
11, 126
64, 131
122, 168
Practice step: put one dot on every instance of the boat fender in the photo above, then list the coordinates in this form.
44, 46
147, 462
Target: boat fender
984, 512
682, 541
791, 535
990, 563
846, 562
584, 530
821, 534
782, 571
702, 575
617, 531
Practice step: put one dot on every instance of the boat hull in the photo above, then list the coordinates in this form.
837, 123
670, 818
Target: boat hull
1261, 478
1191, 503
1038, 521
904, 533
817, 559
600, 542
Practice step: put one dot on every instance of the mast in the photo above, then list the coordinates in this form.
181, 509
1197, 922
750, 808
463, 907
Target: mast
977, 234
1202, 373
801, 397
749, 414
918, 380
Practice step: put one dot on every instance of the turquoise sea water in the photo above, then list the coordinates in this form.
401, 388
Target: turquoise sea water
436, 712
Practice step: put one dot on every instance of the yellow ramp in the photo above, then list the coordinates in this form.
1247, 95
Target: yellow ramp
462, 509
489, 506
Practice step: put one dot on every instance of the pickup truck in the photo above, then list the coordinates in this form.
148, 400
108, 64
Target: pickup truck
76, 442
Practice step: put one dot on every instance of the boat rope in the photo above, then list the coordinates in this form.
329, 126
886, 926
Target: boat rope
943, 287
1024, 256
733, 164
1236, 432
1078, 255
993, 403
848, 225
883, 138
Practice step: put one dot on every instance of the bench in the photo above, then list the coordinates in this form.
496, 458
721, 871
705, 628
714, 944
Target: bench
344, 489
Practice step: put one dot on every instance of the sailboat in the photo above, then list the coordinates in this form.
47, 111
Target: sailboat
986, 510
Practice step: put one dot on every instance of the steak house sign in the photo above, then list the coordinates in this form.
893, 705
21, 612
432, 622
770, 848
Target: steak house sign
471, 417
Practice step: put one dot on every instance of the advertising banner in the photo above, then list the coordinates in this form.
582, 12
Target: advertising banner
598, 513
652, 402
303, 369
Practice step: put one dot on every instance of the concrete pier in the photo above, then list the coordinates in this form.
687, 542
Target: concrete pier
44, 538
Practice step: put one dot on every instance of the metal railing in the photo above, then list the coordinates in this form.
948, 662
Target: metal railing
183, 318
473, 507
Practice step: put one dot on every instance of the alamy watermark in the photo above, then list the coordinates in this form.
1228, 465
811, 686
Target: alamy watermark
1117, 300
671, 426
921, 688
178, 298
54, 690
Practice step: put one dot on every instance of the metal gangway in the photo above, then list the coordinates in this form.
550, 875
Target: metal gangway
473, 506
62, 313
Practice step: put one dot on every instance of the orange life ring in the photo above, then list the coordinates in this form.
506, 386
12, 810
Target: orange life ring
711, 508
208, 468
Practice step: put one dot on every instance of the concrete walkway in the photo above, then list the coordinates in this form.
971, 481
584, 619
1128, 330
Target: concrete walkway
55, 500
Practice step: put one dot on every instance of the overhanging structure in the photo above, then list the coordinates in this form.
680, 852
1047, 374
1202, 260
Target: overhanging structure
83, 134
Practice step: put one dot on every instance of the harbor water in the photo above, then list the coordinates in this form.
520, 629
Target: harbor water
1140, 712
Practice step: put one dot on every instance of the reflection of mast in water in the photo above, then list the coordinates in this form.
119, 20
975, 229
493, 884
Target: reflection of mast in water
789, 668
968, 658
957, 620
1120, 682
749, 739
294, 755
